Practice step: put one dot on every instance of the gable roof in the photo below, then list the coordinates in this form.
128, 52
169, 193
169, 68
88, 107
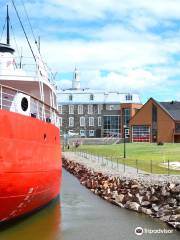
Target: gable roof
173, 109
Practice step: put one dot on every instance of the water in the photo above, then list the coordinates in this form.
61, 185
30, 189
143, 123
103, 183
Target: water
83, 216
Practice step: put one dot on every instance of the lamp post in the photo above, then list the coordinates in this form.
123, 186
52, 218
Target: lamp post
124, 128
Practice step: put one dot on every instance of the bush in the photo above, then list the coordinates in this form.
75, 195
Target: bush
160, 143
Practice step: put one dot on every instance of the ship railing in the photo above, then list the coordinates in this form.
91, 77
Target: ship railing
36, 108
25, 64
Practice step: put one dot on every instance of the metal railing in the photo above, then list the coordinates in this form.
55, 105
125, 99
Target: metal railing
120, 164
37, 108
29, 69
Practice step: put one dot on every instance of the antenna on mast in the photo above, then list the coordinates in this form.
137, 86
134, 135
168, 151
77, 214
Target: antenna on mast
8, 19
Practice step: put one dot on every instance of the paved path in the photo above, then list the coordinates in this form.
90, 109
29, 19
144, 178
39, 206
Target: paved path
109, 167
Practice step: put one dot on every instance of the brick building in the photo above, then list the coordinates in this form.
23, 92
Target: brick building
94, 113
156, 122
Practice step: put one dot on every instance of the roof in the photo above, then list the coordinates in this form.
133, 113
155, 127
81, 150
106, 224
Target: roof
173, 109
82, 96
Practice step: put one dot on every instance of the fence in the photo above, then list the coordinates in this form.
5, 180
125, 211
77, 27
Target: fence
127, 165
37, 108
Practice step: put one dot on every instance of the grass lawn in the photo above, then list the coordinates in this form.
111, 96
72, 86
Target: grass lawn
147, 156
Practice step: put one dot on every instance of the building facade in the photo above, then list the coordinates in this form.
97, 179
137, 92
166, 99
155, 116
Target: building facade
93, 113
156, 122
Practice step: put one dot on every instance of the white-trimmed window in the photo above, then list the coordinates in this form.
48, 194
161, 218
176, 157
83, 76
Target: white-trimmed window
99, 109
71, 122
91, 97
80, 109
60, 109
109, 107
70, 97
91, 121
82, 133
91, 133
129, 97
90, 109
60, 121
71, 109
82, 121
99, 121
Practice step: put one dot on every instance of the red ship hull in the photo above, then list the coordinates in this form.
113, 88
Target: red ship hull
30, 164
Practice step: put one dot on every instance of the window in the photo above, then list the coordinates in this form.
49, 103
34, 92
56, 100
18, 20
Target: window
70, 97
60, 109
109, 107
99, 109
128, 97
71, 109
80, 109
99, 121
91, 122
91, 97
154, 113
90, 109
82, 133
60, 122
91, 133
82, 121
111, 126
126, 116
141, 133
154, 123
71, 122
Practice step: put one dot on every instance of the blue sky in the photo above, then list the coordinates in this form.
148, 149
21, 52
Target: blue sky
125, 45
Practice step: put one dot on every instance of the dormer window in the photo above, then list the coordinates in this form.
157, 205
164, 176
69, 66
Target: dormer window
70, 97
91, 97
128, 97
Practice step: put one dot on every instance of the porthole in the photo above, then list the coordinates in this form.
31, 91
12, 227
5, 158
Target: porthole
24, 104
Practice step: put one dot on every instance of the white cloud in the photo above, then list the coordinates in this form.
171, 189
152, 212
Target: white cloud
123, 45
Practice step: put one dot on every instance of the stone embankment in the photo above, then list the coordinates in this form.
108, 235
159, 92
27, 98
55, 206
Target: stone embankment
157, 199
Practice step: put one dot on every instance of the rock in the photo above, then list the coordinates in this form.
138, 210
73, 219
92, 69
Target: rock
150, 195
132, 205
177, 210
172, 202
176, 189
146, 204
172, 185
175, 218
152, 190
119, 198
174, 224
146, 211
138, 198
154, 199
165, 218
134, 182
136, 186
118, 204
178, 197
155, 207
164, 212
147, 196
164, 192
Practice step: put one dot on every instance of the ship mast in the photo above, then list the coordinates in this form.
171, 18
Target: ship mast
8, 34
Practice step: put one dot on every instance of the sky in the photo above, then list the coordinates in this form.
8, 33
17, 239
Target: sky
124, 45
